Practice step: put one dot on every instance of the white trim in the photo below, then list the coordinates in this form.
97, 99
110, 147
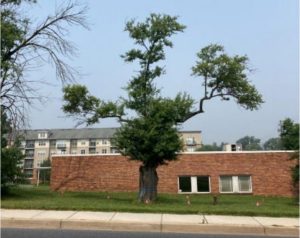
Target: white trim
194, 187
82, 155
235, 184
239, 152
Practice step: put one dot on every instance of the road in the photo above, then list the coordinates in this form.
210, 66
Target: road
38, 233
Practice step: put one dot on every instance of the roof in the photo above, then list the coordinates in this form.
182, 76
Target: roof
76, 133
60, 134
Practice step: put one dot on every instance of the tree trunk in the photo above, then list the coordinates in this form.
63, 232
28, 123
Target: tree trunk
148, 184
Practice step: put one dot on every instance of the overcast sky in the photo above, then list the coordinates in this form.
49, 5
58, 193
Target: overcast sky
267, 31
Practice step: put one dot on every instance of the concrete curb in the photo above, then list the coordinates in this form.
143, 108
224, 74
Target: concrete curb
148, 227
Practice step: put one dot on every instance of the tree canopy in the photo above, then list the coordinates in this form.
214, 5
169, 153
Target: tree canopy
289, 134
249, 143
149, 121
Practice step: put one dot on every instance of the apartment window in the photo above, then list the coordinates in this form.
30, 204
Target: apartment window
190, 141
61, 144
41, 154
73, 143
92, 143
194, 184
104, 151
190, 149
52, 143
82, 152
28, 164
42, 135
235, 184
28, 173
82, 143
92, 150
104, 142
42, 143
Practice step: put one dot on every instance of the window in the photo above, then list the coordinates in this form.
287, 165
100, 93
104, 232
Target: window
82, 143
61, 144
203, 184
42, 135
41, 154
194, 184
190, 141
28, 164
82, 152
73, 143
28, 173
185, 184
190, 149
42, 143
104, 151
104, 142
235, 184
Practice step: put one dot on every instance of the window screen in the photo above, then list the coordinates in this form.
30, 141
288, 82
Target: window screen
244, 184
185, 184
226, 184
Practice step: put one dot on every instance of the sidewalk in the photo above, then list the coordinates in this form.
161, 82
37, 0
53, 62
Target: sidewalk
212, 224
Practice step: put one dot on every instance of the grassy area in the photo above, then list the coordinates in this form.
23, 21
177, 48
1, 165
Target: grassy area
43, 198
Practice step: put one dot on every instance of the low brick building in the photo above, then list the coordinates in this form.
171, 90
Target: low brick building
257, 173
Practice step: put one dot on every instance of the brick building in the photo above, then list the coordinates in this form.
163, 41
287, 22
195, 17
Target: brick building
257, 173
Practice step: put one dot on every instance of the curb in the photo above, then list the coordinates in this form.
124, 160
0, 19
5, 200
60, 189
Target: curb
148, 227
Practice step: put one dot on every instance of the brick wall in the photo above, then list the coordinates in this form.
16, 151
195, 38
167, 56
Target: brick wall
270, 172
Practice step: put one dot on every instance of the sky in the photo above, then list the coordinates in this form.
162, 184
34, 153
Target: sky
266, 31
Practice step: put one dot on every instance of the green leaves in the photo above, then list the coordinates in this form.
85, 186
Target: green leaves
78, 102
226, 77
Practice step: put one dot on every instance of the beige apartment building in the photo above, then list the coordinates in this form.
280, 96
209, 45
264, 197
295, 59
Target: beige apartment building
39, 145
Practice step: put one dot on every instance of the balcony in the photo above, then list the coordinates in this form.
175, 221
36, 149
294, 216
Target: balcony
29, 146
61, 146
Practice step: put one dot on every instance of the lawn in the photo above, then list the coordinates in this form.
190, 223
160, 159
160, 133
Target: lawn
42, 197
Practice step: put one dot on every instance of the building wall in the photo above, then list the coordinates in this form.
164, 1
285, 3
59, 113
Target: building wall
269, 171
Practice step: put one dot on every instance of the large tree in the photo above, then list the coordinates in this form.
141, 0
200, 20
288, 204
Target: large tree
148, 120
289, 135
25, 46
249, 143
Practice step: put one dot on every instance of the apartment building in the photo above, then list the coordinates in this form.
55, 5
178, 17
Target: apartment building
40, 145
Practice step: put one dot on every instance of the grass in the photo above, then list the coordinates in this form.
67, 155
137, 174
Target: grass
29, 197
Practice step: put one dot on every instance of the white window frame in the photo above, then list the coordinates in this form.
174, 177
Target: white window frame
194, 187
43, 135
235, 184
42, 143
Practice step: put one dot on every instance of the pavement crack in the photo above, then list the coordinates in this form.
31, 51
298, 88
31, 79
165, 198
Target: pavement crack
112, 217
264, 228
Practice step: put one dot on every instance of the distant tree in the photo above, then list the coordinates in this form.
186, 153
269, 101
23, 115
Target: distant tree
249, 143
149, 133
26, 47
273, 144
289, 134
213, 147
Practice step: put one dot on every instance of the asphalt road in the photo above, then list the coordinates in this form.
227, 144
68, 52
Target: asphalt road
43, 233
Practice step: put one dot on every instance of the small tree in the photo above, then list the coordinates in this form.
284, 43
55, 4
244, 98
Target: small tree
11, 158
150, 134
